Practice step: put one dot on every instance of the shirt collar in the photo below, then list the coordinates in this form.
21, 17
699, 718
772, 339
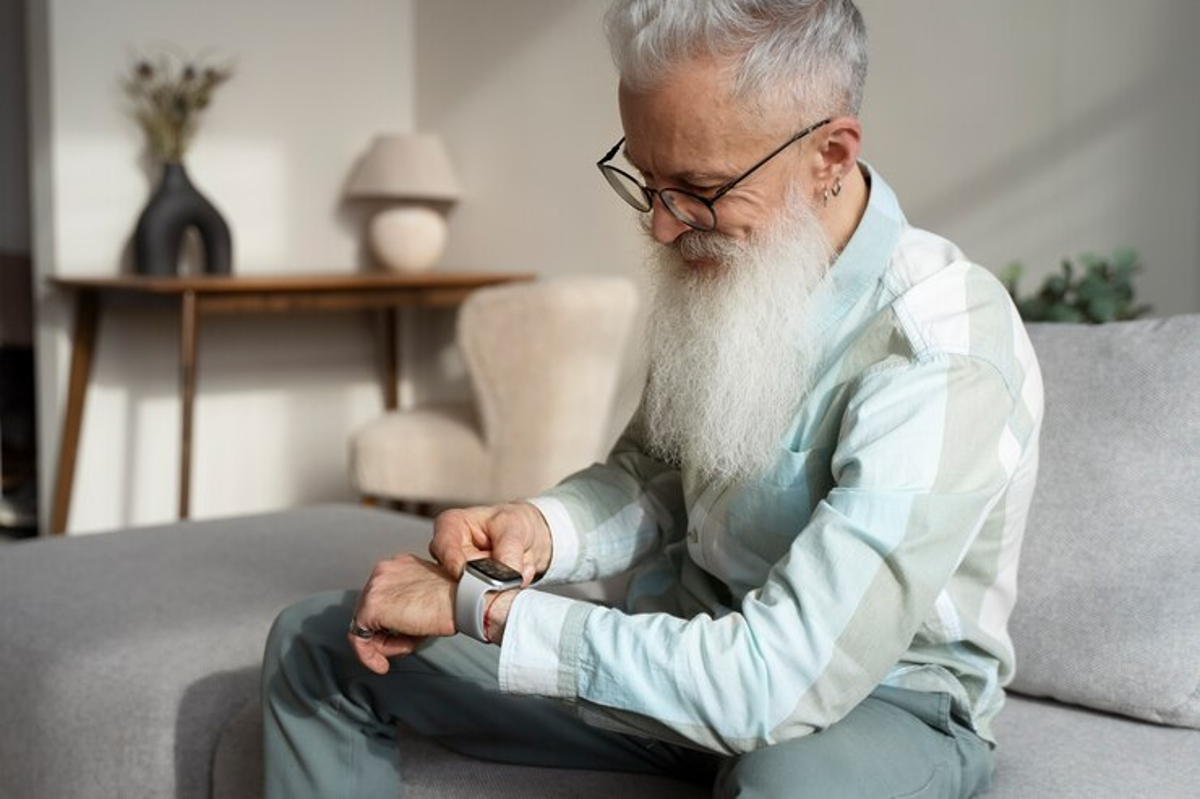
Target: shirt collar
865, 257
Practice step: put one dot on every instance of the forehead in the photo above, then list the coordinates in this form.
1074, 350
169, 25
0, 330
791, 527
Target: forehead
689, 122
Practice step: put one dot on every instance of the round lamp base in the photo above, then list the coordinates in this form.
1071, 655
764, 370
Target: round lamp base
409, 238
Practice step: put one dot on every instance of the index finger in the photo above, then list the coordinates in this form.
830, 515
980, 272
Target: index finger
510, 551
451, 534
460, 536
450, 556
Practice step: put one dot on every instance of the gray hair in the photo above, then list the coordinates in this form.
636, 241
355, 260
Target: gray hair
811, 54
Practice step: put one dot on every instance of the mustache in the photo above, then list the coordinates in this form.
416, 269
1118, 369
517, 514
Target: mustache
693, 244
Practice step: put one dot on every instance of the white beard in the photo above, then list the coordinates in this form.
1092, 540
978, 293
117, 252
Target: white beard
730, 355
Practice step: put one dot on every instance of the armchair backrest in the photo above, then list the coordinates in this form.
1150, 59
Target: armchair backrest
544, 360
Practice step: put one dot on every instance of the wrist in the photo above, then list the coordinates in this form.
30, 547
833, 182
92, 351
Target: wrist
496, 618
481, 580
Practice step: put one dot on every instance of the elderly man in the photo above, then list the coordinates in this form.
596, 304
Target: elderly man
821, 498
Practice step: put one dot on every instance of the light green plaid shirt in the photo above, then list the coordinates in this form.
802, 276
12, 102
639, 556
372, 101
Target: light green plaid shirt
881, 548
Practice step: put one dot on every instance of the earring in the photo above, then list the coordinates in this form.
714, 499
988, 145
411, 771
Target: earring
825, 198
837, 187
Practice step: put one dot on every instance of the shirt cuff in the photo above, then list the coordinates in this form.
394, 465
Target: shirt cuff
540, 652
564, 538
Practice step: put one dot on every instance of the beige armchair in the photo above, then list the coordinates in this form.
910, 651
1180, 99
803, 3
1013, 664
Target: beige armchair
544, 361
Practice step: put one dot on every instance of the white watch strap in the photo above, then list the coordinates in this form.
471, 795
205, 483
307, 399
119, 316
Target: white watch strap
468, 606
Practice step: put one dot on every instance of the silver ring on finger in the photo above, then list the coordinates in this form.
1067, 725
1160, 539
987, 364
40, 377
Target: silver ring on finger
358, 631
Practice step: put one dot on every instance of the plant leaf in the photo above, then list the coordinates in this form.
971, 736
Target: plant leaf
1125, 259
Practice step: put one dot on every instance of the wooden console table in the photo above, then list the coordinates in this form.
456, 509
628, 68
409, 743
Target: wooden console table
197, 296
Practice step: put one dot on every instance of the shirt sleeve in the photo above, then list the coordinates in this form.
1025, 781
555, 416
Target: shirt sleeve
923, 455
605, 519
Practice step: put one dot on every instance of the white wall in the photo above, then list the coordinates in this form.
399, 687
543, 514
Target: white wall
277, 397
525, 95
1036, 129
1022, 129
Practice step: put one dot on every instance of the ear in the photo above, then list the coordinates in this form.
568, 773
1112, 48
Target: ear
840, 145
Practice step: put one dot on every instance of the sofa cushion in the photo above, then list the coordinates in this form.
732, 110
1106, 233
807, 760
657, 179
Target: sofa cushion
125, 654
1108, 611
1048, 749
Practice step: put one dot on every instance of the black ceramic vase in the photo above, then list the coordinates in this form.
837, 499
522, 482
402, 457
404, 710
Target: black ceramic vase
175, 206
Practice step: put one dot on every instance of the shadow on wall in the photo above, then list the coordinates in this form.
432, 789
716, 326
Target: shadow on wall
1144, 100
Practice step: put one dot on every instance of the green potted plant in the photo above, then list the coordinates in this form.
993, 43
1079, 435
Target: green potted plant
1102, 291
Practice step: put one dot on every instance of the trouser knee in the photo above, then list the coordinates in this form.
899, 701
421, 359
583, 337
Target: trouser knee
902, 746
315, 617
318, 706
315, 626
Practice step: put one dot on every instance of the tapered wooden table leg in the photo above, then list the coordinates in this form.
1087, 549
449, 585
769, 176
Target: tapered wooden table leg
83, 345
188, 334
391, 361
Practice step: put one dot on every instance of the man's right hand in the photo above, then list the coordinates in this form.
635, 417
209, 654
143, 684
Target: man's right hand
514, 534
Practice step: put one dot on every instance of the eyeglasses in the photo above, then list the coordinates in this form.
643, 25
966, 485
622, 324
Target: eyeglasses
690, 209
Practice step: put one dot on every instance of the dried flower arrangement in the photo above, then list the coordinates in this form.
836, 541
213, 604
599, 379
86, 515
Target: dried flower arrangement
168, 97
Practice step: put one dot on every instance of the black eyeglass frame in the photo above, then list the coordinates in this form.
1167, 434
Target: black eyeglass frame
708, 202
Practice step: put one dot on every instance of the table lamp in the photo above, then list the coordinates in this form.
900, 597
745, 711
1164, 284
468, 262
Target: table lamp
413, 170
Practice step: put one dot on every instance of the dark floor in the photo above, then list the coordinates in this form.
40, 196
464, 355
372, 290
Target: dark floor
18, 444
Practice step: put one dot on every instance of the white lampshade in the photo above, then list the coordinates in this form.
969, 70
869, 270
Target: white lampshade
407, 166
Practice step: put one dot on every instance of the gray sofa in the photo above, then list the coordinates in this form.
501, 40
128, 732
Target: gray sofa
129, 660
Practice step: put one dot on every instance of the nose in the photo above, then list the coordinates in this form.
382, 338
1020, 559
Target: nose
663, 225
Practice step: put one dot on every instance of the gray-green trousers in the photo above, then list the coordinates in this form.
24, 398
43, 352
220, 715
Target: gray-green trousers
330, 727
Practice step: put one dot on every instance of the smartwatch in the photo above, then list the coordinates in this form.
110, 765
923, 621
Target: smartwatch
479, 578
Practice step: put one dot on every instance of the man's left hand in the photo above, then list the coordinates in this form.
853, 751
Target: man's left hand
405, 600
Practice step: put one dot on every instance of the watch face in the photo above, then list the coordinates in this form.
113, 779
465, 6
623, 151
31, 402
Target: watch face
495, 570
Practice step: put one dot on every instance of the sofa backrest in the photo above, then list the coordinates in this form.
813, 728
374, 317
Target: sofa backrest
1108, 606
